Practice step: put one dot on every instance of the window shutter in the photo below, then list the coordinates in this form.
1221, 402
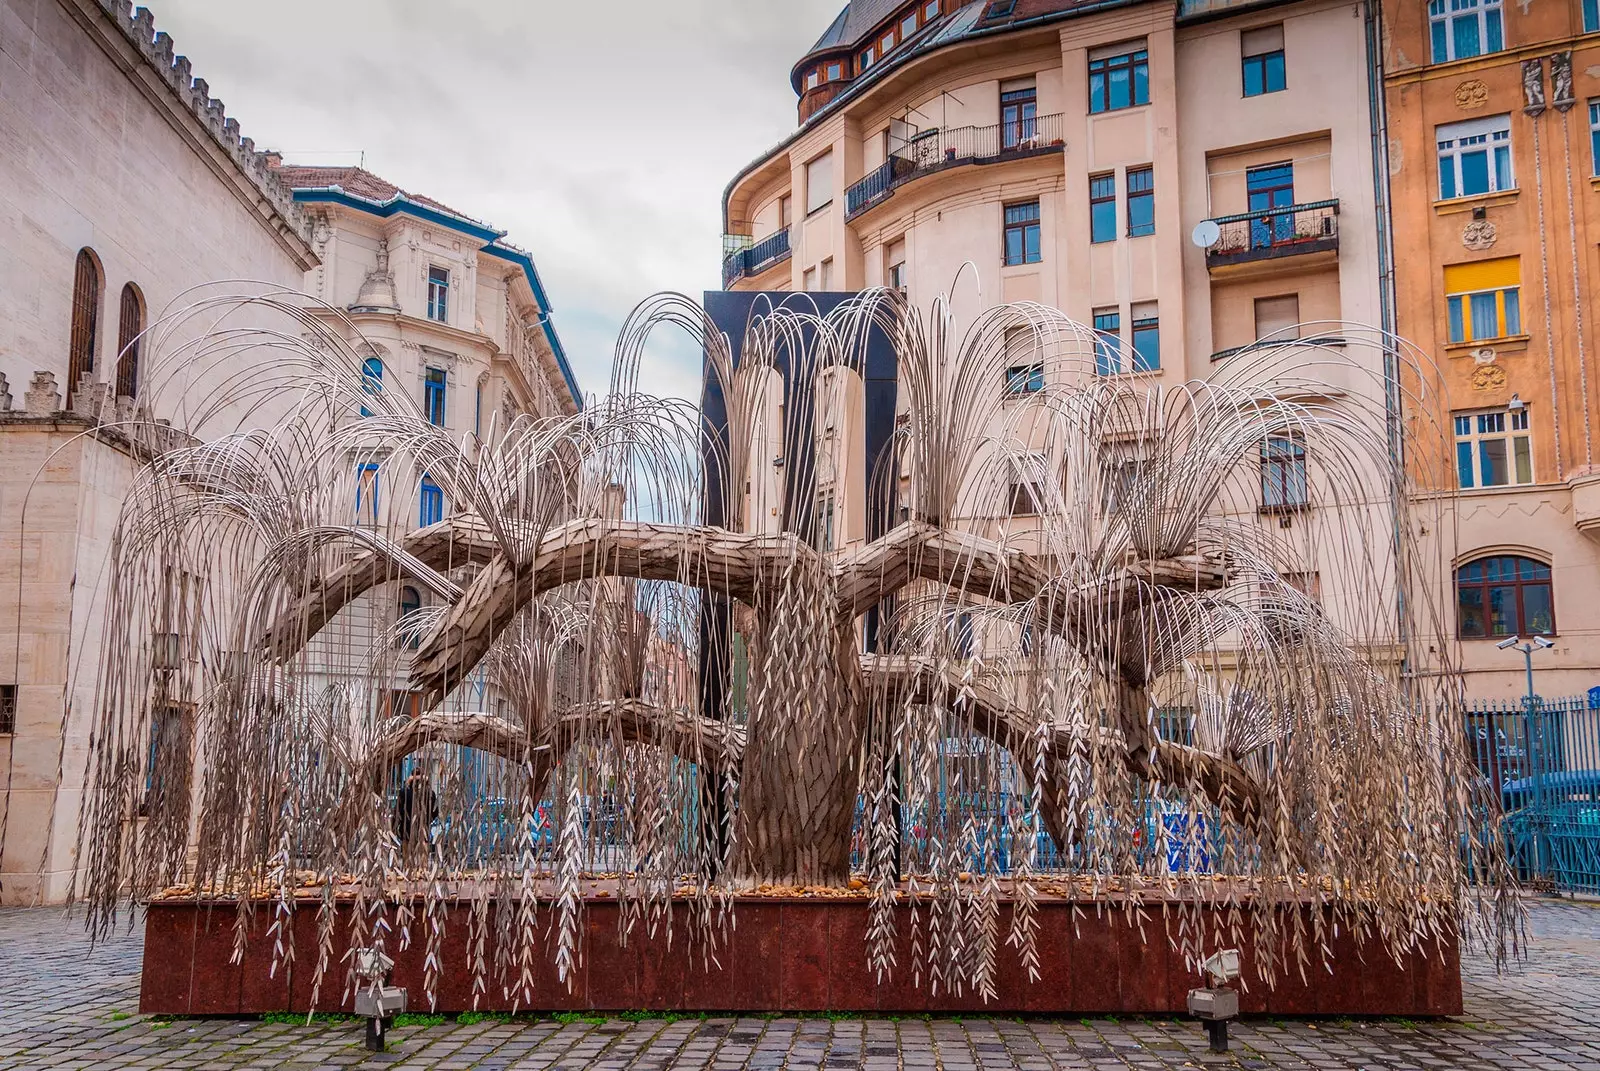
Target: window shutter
819, 182
1494, 274
1260, 41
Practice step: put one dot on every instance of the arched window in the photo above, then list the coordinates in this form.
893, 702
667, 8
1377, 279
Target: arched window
86, 286
129, 327
410, 603
432, 503
371, 379
1504, 596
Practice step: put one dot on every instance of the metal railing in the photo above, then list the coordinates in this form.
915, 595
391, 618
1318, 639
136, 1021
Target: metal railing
1280, 231
941, 148
1542, 759
752, 258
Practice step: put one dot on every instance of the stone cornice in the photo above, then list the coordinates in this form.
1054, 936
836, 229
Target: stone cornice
146, 57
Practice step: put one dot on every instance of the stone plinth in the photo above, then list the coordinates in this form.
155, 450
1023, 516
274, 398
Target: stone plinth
784, 955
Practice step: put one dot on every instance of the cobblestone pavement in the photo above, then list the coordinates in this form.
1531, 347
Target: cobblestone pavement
62, 1006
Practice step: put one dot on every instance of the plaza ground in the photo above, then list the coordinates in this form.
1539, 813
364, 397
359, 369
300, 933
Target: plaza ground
65, 1006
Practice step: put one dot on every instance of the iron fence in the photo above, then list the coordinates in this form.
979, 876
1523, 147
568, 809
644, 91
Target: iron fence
752, 258
1282, 230
941, 148
1542, 759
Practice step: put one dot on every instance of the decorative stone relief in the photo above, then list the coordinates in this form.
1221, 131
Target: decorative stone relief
1533, 86
1561, 80
377, 289
1485, 355
1478, 235
1472, 94
5, 394
1488, 377
42, 397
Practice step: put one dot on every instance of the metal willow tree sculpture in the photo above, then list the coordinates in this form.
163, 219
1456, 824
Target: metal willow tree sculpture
1163, 706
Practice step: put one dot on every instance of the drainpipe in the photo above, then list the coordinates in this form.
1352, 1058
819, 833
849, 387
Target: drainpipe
1378, 118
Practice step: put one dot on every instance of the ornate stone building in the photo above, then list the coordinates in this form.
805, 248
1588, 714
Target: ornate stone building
1494, 151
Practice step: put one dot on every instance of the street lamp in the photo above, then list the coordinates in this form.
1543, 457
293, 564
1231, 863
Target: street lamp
1527, 647
1533, 738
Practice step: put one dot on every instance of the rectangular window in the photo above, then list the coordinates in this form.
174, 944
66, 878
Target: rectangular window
168, 757
1493, 448
438, 294
1103, 207
908, 26
825, 275
431, 496
433, 392
1594, 130
825, 510
1108, 342
813, 79
1460, 29
1024, 369
1483, 299
1261, 52
819, 182
1270, 186
1474, 157
1283, 472
930, 10
1120, 79
1141, 201
1591, 16
887, 44
867, 56
8, 709
835, 71
367, 493
808, 280
785, 211
1019, 111
894, 259
1022, 233
1146, 337
1026, 496
1278, 318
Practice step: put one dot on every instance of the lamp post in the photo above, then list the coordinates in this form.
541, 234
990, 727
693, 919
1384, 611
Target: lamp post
1533, 737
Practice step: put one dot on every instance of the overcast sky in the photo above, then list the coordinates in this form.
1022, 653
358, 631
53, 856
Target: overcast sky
598, 133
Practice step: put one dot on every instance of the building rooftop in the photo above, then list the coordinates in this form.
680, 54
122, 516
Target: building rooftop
358, 182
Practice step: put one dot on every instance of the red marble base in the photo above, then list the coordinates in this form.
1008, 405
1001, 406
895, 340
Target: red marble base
784, 955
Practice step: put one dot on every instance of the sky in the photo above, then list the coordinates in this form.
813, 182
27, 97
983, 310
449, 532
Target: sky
598, 133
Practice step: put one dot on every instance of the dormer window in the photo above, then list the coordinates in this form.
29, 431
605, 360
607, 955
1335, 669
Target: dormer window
813, 79
886, 45
835, 71
930, 11
867, 57
908, 26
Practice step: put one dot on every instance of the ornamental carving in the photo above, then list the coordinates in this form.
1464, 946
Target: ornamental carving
1488, 377
1478, 235
1472, 93
1533, 86
1561, 80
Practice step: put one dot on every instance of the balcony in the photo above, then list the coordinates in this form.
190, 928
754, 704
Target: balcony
1269, 233
747, 258
940, 150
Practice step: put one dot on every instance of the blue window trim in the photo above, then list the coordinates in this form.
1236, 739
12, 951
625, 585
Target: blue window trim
431, 497
493, 246
361, 472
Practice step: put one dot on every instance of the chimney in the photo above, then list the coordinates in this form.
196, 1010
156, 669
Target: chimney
274, 159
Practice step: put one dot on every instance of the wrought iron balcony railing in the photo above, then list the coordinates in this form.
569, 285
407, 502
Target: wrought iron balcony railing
936, 150
1280, 231
754, 258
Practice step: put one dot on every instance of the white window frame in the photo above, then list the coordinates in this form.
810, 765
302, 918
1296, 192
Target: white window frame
1473, 427
1489, 134
1447, 11
1594, 135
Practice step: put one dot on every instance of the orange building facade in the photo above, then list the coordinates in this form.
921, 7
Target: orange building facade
1493, 113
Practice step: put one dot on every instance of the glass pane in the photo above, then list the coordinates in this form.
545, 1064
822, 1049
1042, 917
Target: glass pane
1141, 83
1464, 464
1141, 215
1276, 79
1502, 167
1031, 242
1458, 328
1014, 245
1513, 311
1254, 76
1485, 324
1492, 462
1493, 41
1591, 16
1441, 48
1118, 93
1502, 610
1146, 348
1472, 571
1097, 92
1447, 177
1465, 30
1103, 221
1528, 569
1538, 612
1469, 606
1474, 172
1524, 459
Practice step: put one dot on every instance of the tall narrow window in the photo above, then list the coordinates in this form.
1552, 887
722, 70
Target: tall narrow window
930, 11
1024, 369
825, 274
438, 294
1460, 29
1594, 130
1483, 299
908, 26
1504, 596
1022, 233
433, 395
785, 211
1283, 473
371, 379
819, 183
1026, 497
825, 532
1493, 448
1475, 157
1107, 342
1146, 337
894, 258
87, 283
1261, 52
8, 709
367, 493
1591, 16
130, 326
1119, 77
1103, 207
1019, 107
1270, 187
432, 498
1141, 201
410, 606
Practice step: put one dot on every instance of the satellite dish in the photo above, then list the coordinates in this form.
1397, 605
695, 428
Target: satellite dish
1206, 233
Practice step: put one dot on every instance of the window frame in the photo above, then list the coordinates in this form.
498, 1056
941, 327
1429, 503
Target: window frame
1145, 195
430, 499
438, 294
1263, 63
1443, 15
1285, 481
1107, 323
1519, 584
1475, 429
1102, 70
1146, 326
1495, 134
1591, 16
130, 340
1102, 193
1019, 116
88, 291
364, 470
1022, 227
371, 379
435, 394
1594, 127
